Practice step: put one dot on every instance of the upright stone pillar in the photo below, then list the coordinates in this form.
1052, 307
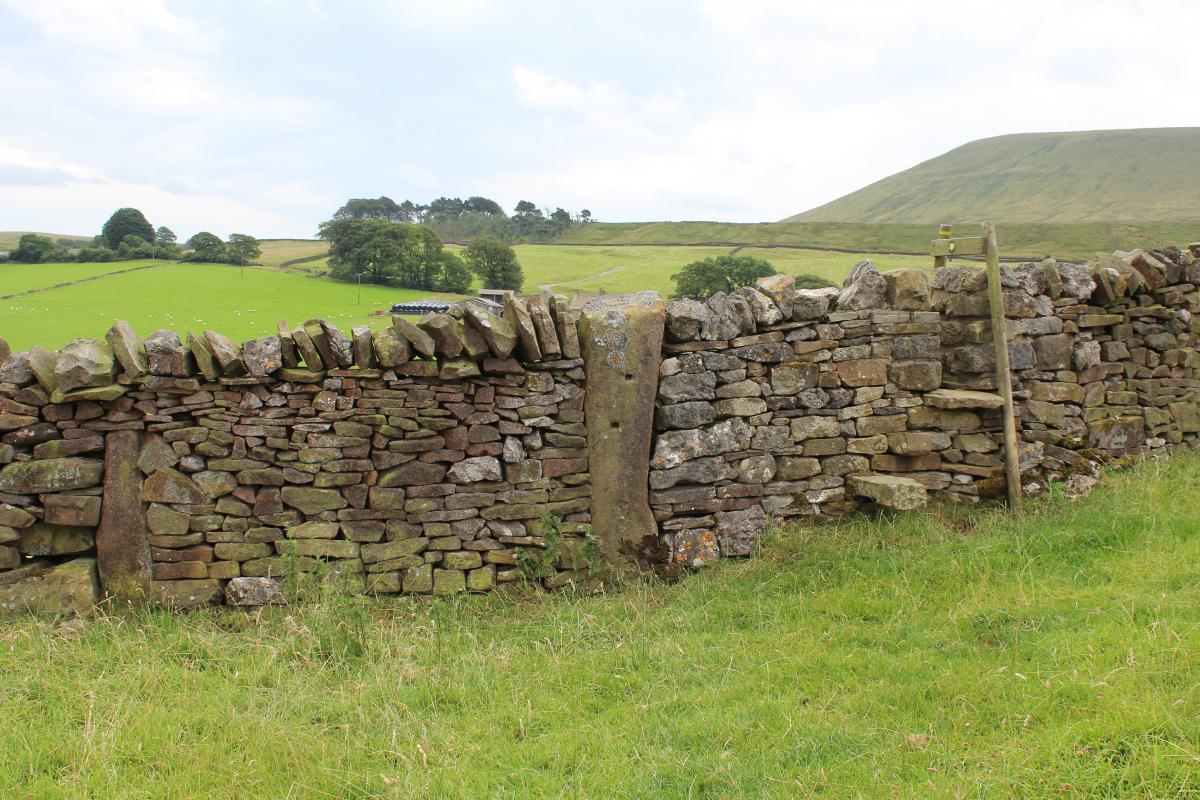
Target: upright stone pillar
123, 541
622, 347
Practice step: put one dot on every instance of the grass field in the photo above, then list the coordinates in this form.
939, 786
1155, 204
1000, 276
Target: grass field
1024, 240
947, 654
247, 303
17, 278
10, 239
276, 252
241, 304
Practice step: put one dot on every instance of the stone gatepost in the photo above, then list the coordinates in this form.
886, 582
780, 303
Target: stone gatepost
122, 541
622, 345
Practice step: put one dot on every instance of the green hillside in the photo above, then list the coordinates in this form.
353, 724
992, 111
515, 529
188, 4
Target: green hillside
1025, 239
1147, 174
9, 239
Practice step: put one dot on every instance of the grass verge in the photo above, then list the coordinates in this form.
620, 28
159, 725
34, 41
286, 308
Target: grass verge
945, 654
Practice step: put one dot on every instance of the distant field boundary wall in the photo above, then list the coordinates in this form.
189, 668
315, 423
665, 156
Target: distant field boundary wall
565, 445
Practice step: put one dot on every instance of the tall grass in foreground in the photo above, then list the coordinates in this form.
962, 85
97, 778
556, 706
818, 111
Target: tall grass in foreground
944, 654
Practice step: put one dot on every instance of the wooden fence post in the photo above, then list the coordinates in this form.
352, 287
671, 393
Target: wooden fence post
1012, 469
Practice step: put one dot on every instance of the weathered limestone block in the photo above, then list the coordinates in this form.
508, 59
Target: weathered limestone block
202, 354
782, 290
307, 349
227, 354
421, 341
621, 337
863, 372
738, 531
916, 376
1076, 280
339, 344
791, 377
15, 369
171, 486
863, 288
187, 594
13, 517
45, 588
812, 304
287, 344
1053, 352
76, 510
82, 363
1122, 435
814, 428
308, 500
446, 332
263, 356
685, 386
675, 447
890, 491
363, 352
43, 539
254, 592
685, 319
42, 363
499, 333
543, 322
694, 414
962, 398
51, 475
474, 470
729, 316
567, 320
908, 290
391, 348
128, 348
763, 308
516, 312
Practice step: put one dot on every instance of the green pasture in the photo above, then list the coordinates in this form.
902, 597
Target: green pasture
1026, 240
240, 303
946, 653
16, 278
276, 252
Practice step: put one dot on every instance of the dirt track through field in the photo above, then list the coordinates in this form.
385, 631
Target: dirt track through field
81, 280
549, 287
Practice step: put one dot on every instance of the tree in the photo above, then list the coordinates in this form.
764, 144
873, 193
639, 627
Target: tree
165, 237
483, 205
495, 263
242, 248
446, 207
33, 249
586, 216
133, 246
366, 208
379, 251
525, 208
122, 223
206, 247
455, 277
702, 279
561, 216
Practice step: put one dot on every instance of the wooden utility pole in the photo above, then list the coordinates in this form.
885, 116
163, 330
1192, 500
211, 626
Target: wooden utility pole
1012, 470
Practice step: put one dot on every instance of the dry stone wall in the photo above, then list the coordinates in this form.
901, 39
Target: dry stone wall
777, 403
419, 459
428, 457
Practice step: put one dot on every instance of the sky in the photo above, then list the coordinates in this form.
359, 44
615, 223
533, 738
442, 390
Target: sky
264, 116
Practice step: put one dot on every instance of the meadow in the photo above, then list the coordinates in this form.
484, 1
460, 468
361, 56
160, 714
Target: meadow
244, 303
1024, 240
947, 653
240, 303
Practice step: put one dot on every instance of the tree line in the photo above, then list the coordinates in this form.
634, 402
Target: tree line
458, 220
128, 235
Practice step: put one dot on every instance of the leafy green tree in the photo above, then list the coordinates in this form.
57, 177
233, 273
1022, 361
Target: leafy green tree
367, 208
242, 248
483, 205
165, 237
455, 277
586, 216
206, 247
95, 255
446, 207
525, 208
495, 263
33, 249
379, 251
133, 246
122, 223
702, 279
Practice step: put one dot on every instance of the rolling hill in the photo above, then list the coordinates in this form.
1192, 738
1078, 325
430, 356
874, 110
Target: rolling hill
9, 239
1140, 175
